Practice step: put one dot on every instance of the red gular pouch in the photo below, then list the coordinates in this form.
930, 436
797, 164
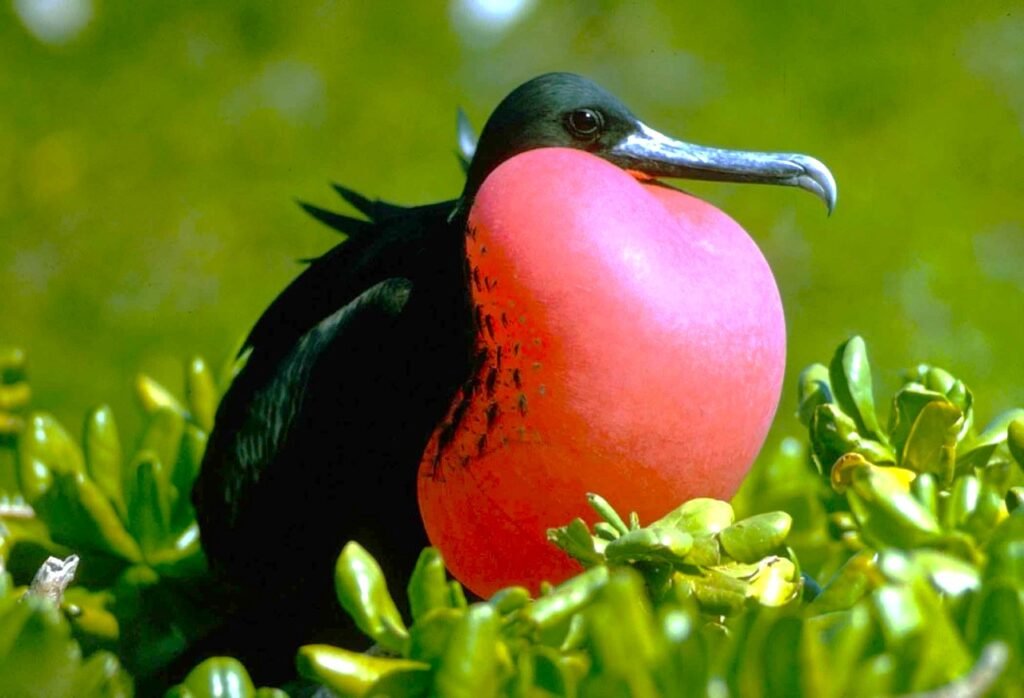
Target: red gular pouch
632, 344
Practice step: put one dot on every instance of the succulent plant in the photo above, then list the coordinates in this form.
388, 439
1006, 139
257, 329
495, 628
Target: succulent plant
914, 529
917, 527
127, 516
221, 677
38, 654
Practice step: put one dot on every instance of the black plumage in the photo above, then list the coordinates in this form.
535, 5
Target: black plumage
318, 438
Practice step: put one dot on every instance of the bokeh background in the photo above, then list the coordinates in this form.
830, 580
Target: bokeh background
150, 154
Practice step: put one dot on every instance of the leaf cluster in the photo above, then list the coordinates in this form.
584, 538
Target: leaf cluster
918, 527
872, 558
126, 514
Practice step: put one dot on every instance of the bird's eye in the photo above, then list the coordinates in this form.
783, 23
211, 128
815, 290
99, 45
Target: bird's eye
584, 123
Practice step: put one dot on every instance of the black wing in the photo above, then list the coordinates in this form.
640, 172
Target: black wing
319, 437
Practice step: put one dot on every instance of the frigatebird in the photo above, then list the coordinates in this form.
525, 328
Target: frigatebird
351, 371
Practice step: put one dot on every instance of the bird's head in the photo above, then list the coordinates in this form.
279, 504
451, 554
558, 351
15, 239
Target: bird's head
563, 110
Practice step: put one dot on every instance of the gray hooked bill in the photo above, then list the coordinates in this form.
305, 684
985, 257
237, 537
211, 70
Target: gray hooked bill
655, 154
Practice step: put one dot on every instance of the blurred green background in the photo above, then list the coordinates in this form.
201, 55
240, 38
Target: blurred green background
150, 153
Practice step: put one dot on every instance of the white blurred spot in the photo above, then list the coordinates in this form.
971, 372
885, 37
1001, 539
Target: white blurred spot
482, 22
791, 447
54, 21
291, 89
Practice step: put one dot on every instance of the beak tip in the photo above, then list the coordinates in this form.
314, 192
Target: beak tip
818, 180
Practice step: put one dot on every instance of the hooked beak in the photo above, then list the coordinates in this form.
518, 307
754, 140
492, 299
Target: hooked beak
655, 154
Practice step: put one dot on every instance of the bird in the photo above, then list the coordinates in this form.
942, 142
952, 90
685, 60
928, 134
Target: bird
359, 378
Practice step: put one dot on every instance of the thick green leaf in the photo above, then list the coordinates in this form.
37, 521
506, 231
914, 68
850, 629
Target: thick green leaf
813, 389
998, 614
190, 458
987, 510
402, 683
458, 594
931, 442
568, 598
14, 395
775, 643
775, 583
963, 398
700, 516
45, 448
899, 614
706, 552
887, 513
938, 379
950, 575
850, 584
1015, 440
834, 434
80, 516
149, 503
963, 500
651, 544
93, 618
153, 396
756, 537
926, 491
942, 655
162, 437
624, 640
219, 677
38, 656
906, 406
268, 692
102, 676
428, 585
850, 378
716, 592
471, 665
545, 669
833, 647
103, 455
180, 555
607, 512
575, 540
201, 393
510, 599
1006, 551
363, 593
976, 452
429, 635
686, 668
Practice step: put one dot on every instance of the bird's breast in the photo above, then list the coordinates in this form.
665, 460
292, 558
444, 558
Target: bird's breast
630, 341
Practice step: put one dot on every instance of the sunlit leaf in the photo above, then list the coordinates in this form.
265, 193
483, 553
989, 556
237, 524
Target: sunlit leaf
363, 593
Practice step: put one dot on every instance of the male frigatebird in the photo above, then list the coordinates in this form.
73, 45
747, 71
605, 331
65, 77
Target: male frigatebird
371, 372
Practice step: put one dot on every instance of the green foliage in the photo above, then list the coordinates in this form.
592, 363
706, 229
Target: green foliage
221, 677
724, 564
128, 515
914, 524
39, 656
919, 532
930, 479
